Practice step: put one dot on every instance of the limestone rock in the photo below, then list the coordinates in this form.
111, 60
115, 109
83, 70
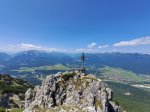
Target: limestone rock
71, 92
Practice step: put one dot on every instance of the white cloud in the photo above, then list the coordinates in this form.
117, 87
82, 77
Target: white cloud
92, 45
81, 50
27, 46
103, 46
134, 42
91, 48
85, 50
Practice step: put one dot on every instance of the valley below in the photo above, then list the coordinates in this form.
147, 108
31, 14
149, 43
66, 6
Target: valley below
131, 88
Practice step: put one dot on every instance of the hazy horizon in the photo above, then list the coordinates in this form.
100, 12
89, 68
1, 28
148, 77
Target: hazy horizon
18, 52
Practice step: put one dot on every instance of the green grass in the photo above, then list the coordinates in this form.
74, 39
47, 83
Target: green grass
120, 74
53, 67
16, 110
67, 76
138, 101
2, 109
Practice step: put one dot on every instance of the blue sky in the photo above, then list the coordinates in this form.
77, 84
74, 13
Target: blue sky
75, 25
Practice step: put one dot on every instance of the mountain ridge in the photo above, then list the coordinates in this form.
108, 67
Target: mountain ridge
130, 61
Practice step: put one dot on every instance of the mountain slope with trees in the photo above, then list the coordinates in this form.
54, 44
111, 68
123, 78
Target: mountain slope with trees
12, 91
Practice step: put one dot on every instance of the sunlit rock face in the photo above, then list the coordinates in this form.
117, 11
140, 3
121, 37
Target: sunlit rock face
70, 92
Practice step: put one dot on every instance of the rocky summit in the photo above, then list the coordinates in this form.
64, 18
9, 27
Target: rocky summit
70, 92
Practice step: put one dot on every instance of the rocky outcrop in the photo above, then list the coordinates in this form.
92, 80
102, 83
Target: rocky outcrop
70, 92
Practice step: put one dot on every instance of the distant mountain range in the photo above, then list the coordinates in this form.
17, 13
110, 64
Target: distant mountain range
4, 57
139, 63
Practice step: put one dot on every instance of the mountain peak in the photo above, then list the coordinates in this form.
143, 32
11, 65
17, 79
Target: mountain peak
70, 91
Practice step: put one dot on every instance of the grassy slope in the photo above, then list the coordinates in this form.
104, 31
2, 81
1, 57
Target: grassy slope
120, 74
54, 67
138, 101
